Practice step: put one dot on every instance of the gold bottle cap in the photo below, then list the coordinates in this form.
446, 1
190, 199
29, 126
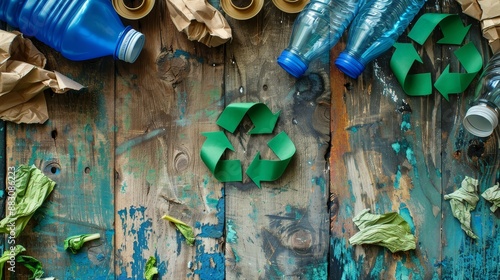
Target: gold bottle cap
242, 9
135, 12
290, 6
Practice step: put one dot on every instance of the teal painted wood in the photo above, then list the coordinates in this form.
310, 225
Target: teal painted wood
404, 154
74, 148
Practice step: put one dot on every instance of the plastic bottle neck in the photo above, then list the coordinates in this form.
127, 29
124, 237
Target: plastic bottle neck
130, 45
482, 118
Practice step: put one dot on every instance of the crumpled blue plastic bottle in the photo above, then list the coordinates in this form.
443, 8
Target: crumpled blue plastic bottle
374, 30
317, 28
78, 29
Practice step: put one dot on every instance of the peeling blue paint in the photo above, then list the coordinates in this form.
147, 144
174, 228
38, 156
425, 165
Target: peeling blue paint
214, 230
231, 235
396, 147
397, 179
405, 213
210, 265
136, 226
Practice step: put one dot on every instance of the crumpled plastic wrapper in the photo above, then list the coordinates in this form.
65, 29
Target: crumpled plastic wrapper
23, 80
200, 21
463, 201
488, 13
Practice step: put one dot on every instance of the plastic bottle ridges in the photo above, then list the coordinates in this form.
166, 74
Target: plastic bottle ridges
79, 29
317, 28
374, 30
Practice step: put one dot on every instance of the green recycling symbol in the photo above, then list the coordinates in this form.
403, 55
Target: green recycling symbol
259, 169
447, 83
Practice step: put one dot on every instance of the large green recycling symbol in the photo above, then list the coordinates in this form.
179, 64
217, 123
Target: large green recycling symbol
447, 83
259, 169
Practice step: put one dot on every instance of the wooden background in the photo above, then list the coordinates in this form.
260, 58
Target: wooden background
124, 151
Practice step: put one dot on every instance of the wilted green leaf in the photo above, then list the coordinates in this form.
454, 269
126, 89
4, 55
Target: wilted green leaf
75, 243
186, 230
462, 202
150, 269
493, 196
34, 265
388, 230
32, 187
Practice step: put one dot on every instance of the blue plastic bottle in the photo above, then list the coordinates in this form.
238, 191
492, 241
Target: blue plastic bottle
316, 30
78, 29
374, 30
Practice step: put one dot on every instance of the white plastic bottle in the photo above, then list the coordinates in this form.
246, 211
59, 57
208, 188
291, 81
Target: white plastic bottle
482, 117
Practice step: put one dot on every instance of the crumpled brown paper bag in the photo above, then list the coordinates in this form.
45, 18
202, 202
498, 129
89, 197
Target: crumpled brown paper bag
23, 79
488, 12
200, 21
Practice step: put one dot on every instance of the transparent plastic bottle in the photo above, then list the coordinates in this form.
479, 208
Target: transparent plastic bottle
481, 118
317, 28
374, 30
78, 29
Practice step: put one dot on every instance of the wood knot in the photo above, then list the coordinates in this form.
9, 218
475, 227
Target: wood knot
173, 67
301, 240
181, 160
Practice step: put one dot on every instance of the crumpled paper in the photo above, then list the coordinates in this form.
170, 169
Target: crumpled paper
492, 195
23, 79
200, 21
463, 201
488, 12
389, 230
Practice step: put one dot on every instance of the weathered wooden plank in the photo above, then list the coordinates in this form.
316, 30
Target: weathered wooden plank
164, 101
280, 230
394, 163
74, 148
467, 155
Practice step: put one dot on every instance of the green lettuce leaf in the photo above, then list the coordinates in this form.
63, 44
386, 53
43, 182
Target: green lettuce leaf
32, 187
388, 230
150, 269
462, 202
492, 195
186, 230
75, 243
34, 265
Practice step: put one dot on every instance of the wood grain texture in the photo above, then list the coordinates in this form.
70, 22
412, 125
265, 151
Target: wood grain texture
402, 156
125, 151
280, 230
164, 101
73, 148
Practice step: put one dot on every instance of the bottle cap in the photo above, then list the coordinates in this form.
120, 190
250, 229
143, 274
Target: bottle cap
135, 12
481, 120
290, 6
292, 63
349, 65
131, 46
241, 9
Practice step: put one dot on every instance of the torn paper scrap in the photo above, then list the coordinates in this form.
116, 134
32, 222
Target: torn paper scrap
463, 201
492, 195
488, 13
389, 230
23, 80
200, 21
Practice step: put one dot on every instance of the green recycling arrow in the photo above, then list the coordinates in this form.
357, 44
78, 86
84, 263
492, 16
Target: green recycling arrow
263, 119
270, 170
447, 83
259, 170
452, 83
401, 62
451, 26
211, 154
